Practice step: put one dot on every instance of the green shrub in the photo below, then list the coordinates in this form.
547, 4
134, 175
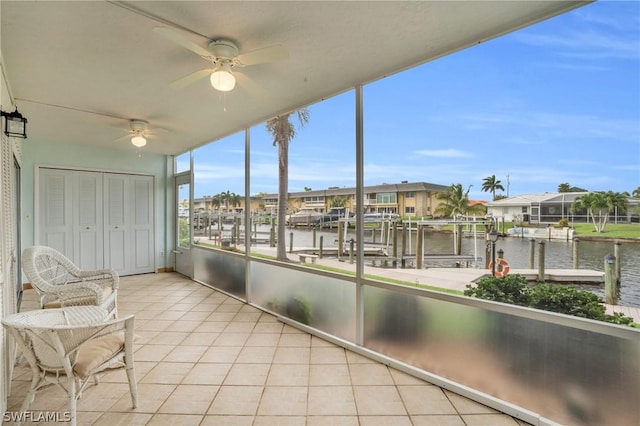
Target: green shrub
562, 299
508, 289
297, 308
622, 319
566, 300
563, 223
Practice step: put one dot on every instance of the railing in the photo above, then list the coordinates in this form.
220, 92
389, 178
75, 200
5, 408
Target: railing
538, 366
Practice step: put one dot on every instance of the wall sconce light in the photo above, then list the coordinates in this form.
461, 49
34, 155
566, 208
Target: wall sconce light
15, 125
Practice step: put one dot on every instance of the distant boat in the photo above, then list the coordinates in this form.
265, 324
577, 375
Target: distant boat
550, 233
376, 217
304, 217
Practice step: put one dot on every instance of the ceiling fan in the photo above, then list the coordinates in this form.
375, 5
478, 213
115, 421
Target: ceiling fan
225, 59
139, 132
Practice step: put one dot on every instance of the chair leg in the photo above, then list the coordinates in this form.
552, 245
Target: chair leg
31, 394
133, 386
72, 400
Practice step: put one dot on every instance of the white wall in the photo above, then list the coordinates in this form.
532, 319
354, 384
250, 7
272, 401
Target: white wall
508, 213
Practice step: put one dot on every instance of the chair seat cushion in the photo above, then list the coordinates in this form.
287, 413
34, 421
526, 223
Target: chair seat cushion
98, 351
75, 301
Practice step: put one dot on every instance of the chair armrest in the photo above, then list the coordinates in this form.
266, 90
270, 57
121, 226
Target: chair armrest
104, 275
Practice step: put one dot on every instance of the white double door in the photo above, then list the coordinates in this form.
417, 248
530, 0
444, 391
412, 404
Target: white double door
97, 219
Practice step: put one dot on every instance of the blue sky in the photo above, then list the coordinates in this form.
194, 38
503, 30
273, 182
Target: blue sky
552, 103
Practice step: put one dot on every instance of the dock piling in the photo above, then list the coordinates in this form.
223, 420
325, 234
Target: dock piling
616, 254
532, 252
576, 250
290, 242
419, 252
340, 240
487, 253
404, 242
610, 283
395, 244
351, 243
321, 246
541, 261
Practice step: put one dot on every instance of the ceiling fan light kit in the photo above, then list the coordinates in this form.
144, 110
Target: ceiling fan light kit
223, 55
138, 141
222, 80
138, 127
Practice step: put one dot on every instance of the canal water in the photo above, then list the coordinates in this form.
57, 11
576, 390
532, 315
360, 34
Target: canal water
558, 254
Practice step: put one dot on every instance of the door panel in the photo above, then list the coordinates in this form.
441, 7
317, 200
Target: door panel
143, 259
87, 222
142, 224
55, 210
116, 226
98, 220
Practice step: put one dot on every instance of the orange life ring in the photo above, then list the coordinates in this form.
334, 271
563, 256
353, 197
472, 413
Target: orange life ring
505, 267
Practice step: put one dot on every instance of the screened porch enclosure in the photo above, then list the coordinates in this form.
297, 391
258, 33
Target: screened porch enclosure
106, 67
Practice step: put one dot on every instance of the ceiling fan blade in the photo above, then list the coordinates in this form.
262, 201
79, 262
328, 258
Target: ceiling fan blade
273, 53
125, 137
155, 133
250, 86
176, 37
158, 130
191, 78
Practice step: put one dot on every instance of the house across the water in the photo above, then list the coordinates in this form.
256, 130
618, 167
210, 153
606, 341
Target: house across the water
551, 207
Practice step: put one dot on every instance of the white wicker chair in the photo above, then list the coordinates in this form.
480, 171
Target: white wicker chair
70, 355
60, 283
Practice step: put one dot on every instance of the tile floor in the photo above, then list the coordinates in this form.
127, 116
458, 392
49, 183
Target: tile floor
203, 358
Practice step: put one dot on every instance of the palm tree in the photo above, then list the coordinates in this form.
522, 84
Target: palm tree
339, 201
455, 201
598, 206
226, 197
491, 184
636, 193
215, 201
235, 199
283, 132
617, 203
565, 187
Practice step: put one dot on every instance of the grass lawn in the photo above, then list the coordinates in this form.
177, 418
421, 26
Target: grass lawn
612, 230
628, 231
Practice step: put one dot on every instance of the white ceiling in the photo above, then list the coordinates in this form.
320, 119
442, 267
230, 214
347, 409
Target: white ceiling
79, 70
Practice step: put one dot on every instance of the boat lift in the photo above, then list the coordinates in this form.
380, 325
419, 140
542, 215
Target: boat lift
469, 222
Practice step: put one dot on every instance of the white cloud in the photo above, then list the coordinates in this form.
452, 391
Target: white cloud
587, 44
576, 67
444, 153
